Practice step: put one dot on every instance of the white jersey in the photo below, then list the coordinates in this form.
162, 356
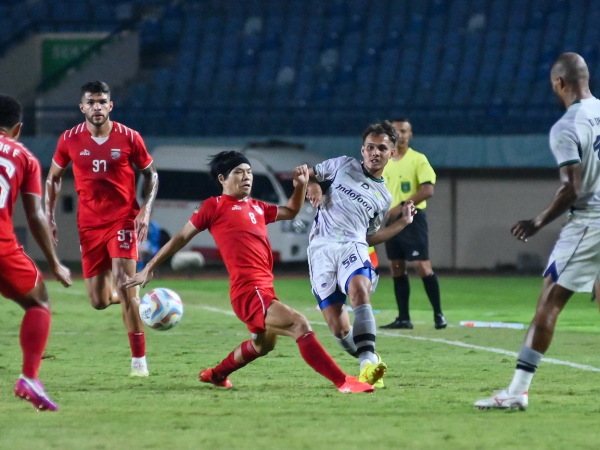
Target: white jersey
354, 205
575, 138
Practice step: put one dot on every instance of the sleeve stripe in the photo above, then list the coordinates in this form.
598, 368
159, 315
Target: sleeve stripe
57, 164
32, 193
569, 162
190, 222
151, 161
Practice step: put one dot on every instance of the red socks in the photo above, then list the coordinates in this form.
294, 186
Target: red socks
310, 349
317, 357
230, 365
35, 329
137, 341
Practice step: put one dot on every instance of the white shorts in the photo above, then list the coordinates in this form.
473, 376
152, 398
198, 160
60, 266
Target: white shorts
332, 266
575, 260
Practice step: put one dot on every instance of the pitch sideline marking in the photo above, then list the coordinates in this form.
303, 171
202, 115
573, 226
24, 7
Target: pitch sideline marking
446, 341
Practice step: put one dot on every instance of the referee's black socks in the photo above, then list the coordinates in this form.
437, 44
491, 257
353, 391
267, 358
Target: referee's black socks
432, 287
402, 292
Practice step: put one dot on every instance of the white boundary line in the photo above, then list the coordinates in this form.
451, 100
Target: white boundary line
445, 341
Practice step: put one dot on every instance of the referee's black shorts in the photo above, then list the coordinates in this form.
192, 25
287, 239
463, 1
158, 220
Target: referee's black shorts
412, 243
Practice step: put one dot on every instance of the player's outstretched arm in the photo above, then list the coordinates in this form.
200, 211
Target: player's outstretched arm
41, 233
294, 204
150, 189
176, 243
53, 185
383, 234
570, 187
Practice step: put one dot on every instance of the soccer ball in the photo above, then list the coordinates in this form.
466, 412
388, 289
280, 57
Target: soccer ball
187, 260
161, 309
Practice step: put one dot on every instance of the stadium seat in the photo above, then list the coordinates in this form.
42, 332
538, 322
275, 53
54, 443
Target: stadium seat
432, 58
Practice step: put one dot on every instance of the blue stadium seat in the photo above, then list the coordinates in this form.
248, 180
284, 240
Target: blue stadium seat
498, 15
330, 59
518, 14
458, 15
60, 11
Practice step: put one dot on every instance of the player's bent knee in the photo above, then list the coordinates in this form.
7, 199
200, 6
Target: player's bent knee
99, 303
301, 324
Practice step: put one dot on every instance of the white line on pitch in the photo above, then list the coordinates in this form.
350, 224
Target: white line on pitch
445, 341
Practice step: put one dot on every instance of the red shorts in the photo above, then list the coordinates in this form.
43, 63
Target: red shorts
251, 307
18, 274
100, 245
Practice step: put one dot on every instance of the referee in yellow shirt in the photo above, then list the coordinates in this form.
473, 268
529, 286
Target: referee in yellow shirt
409, 176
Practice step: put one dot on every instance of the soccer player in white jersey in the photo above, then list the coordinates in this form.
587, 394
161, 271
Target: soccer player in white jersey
346, 224
575, 260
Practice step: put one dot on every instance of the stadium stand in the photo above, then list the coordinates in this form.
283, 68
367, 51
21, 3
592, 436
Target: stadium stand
308, 67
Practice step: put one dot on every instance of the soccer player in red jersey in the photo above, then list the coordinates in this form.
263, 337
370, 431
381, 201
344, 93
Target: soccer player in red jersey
109, 219
20, 280
238, 225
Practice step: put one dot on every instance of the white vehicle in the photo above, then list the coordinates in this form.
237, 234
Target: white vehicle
184, 181
280, 158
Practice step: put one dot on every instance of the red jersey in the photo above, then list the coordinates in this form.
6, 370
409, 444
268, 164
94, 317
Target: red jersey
104, 177
239, 228
19, 172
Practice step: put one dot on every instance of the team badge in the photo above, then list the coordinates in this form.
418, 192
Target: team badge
365, 186
197, 208
405, 186
258, 209
115, 153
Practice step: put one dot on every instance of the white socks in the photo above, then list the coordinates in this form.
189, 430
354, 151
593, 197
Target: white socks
139, 364
520, 382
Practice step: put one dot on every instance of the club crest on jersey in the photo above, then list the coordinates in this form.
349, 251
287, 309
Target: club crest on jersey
365, 186
115, 153
236, 208
85, 152
258, 209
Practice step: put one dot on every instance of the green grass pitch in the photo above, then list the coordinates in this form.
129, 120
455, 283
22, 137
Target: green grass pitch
278, 402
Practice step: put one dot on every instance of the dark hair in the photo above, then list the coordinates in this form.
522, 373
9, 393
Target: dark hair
95, 87
402, 119
11, 112
223, 163
378, 129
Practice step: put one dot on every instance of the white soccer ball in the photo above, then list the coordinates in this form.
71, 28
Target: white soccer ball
161, 309
187, 260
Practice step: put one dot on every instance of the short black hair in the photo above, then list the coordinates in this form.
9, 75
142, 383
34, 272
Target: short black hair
223, 163
378, 129
11, 112
95, 87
